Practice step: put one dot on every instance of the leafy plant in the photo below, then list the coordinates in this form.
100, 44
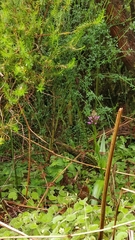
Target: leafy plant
58, 64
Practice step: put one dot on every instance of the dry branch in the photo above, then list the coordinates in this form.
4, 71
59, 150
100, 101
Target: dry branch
84, 155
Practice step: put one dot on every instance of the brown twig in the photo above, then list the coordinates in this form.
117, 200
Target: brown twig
25, 206
74, 160
107, 173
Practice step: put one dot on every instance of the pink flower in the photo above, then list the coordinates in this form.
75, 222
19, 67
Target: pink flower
93, 119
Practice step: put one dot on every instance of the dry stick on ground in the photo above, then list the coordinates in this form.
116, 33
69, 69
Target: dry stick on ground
12, 204
85, 156
107, 173
65, 236
14, 230
73, 160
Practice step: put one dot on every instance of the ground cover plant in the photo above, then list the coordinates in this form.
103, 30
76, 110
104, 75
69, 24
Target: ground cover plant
62, 79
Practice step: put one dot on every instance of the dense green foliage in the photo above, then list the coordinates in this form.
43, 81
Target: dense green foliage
58, 63
62, 211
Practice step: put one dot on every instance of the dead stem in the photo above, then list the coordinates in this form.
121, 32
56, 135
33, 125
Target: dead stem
107, 173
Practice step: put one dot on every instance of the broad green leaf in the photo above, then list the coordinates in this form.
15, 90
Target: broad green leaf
57, 219
30, 202
34, 195
52, 197
12, 195
70, 217
88, 209
53, 209
49, 218
32, 225
78, 206
80, 219
121, 236
97, 190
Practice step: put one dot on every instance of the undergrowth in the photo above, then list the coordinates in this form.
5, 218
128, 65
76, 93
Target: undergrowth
60, 68
63, 211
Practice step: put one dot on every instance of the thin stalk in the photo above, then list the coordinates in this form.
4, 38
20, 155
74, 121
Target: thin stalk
13, 160
97, 88
53, 122
107, 173
116, 215
29, 151
29, 161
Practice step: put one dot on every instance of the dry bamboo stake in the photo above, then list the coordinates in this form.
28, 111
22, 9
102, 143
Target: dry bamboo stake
107, 173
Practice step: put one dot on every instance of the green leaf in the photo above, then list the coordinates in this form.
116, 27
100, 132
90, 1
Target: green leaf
70, 217
93, 227
61, 199
88, 209
62, 193
15, 127
30, 202
52, 197
121, 236
78, 206
102, 144
97, 190
53, 209
34, 195
80, 220
21, 90
57, 219
2, 140
24, 191
49, 218
32, 226
83, 202
71, 64
92, 238
41, 87
12, 195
